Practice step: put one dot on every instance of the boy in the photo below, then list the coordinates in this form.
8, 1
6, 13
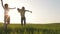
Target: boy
22, 12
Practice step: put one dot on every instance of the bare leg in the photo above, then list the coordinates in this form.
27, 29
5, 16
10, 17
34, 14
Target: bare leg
5, 25
8, 20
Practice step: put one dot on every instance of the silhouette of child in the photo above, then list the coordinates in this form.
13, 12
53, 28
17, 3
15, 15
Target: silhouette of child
6, 16
22, 13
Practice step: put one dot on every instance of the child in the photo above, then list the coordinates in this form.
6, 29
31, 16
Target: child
6, 16
22, 12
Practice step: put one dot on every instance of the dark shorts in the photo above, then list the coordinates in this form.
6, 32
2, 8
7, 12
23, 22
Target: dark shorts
22, 18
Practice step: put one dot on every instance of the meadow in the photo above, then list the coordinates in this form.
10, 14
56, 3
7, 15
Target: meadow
30, 29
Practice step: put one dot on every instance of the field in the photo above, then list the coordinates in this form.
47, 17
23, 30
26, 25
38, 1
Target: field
31, 29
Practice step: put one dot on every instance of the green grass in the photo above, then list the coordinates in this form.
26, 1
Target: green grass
32, 28
42, 26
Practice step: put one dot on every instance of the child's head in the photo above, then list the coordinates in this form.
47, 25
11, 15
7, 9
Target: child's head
6, 5
23, 8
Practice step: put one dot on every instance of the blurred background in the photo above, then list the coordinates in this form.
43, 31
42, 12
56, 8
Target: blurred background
43, 11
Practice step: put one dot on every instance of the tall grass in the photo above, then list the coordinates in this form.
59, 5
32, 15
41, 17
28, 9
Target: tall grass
31, 29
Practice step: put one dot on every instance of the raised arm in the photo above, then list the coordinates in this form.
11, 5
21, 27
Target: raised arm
28, 11
18, 10
2, 3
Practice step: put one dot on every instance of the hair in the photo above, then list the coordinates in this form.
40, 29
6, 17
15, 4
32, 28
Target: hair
6, 5
23, 8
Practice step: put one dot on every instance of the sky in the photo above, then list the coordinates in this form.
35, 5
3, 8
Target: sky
43, 11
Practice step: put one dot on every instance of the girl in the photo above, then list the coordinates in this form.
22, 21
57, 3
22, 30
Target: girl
6, 16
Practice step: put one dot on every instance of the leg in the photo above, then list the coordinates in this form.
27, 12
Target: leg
24, 20
5, 25
4, 20
8, 20
21, 21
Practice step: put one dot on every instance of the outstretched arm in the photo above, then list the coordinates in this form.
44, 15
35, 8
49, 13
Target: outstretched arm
13, 8
2, 3
28, 11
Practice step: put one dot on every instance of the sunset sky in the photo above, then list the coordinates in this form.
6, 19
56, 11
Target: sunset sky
43, 11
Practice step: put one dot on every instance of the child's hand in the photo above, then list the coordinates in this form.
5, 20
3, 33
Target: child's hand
31, 11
